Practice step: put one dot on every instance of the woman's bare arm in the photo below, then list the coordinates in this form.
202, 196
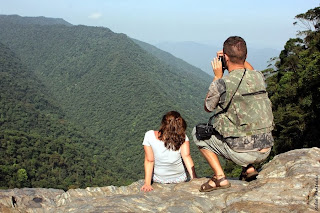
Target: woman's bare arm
185, 153
148, 168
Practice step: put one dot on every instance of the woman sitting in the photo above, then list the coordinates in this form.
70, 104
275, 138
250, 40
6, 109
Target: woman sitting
164, 151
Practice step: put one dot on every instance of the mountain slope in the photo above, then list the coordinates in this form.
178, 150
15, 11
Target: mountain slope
171, 60
108, 84
39, 147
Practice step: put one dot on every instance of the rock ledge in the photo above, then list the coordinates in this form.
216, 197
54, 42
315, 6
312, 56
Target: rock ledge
288, 183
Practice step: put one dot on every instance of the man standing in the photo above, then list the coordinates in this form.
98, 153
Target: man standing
243, 118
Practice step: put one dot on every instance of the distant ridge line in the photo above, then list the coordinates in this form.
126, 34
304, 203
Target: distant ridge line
40, 20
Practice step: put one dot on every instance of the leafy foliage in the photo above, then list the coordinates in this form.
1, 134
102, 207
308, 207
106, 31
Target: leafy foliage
294, 89
39, 148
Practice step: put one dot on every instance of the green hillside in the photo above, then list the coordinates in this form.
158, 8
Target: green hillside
109, 85
177, 63
39, 147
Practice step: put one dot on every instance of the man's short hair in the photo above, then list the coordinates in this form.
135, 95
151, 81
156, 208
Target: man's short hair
236, 48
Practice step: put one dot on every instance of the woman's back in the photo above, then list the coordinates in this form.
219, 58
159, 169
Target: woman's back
168, 166
167, 152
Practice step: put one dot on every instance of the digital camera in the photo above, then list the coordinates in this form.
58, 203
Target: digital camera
221, 58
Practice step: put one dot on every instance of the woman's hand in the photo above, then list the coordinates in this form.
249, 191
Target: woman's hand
146, 188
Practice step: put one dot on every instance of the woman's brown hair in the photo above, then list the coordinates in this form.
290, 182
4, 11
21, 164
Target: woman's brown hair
173, 130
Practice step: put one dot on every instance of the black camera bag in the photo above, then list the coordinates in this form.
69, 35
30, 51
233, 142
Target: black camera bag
204, 131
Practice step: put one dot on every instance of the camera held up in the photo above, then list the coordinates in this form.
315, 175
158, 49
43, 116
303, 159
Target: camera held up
221, 58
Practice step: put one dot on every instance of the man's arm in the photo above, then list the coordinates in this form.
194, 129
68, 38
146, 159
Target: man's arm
205, 105
248, 66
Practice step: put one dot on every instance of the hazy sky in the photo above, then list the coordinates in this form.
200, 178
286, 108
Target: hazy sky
261, 23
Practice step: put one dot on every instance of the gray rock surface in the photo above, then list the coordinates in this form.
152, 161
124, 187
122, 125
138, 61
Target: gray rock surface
288, 183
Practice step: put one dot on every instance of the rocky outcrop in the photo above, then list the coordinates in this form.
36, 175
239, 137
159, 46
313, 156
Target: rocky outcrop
288, 183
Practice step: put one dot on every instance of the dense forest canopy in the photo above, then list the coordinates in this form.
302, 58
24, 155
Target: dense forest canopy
39, 148
294, 87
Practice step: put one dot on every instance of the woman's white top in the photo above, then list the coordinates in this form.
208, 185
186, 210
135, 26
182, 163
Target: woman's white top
168, 165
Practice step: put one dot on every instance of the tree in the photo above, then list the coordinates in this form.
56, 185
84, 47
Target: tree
294, 89
22, 177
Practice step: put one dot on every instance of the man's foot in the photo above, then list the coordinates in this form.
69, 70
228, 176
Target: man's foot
214, 184
248, 173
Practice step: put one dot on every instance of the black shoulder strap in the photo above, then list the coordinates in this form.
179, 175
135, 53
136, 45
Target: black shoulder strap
226, 108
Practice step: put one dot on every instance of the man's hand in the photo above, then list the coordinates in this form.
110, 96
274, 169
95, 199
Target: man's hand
220, 53
217, 66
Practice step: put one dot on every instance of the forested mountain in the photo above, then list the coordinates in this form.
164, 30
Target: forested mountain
109, 86
39, 147
294, 87
178, 63
32, 20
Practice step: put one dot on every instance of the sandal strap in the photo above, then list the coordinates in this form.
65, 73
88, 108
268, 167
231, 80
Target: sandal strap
205, 186
218, 181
